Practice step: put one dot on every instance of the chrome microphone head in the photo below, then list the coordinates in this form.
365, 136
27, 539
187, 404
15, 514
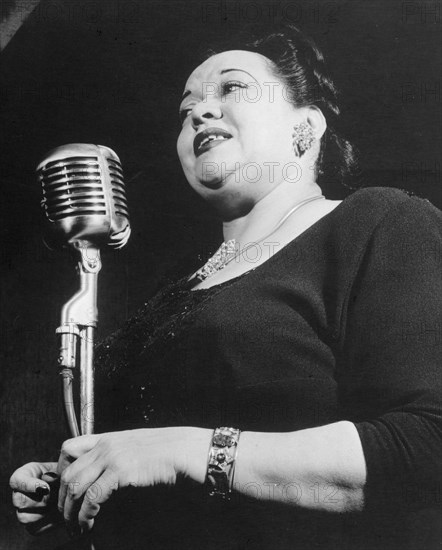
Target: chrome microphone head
84, 196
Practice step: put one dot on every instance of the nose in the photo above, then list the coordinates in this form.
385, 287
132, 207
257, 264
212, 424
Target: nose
205, 110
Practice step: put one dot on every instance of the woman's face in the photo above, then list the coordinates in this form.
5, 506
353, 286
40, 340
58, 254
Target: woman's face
235, 145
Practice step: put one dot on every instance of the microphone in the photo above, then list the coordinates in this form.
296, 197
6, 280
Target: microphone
84, 196
84, 199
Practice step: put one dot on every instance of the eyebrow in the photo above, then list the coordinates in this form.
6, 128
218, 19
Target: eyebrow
242, 70
188, 92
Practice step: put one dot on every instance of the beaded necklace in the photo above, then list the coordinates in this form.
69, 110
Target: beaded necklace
228, 250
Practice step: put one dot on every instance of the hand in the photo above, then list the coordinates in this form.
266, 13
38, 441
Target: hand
34, 496
92, 467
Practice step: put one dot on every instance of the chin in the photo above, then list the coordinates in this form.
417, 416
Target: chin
215, 165
229, 205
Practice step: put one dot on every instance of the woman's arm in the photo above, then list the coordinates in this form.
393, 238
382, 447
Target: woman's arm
388, 373
318, 468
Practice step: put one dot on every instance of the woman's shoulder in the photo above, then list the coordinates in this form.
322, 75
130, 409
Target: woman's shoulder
383, 199
388, 226
376, 217
383, 206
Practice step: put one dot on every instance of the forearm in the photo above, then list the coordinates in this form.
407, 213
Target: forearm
319, 468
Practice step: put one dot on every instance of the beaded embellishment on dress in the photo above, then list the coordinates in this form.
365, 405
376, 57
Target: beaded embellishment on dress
130, 364
217, 262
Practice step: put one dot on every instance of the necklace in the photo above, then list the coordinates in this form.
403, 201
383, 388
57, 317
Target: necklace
228, 251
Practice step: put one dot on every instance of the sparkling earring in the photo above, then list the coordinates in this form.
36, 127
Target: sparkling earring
303, 138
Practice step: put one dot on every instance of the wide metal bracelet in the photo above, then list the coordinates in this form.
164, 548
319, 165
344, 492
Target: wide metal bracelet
221, 464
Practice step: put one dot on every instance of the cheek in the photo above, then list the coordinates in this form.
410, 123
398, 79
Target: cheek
185, 158
256, 127
182, 147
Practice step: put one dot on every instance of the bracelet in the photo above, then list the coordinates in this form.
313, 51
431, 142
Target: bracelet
221, 464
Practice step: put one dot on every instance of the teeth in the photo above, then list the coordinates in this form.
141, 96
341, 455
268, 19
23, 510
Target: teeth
212, 137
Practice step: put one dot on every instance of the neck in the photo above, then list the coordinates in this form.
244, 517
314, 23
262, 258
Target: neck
268, 211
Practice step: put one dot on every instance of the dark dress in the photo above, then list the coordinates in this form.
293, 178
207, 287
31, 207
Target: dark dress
343, 323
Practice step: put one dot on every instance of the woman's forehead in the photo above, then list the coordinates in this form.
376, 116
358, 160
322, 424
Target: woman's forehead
252, 62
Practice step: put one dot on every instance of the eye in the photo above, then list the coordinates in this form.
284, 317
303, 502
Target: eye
183, 113
232, 86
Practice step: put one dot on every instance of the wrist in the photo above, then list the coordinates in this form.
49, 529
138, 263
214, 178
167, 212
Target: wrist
245, 460
191, 459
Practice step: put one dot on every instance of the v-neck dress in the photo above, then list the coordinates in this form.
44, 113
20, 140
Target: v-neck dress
342, 323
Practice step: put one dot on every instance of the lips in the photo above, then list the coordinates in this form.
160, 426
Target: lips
208, 138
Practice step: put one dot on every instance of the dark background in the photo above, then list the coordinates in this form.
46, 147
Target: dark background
112, 73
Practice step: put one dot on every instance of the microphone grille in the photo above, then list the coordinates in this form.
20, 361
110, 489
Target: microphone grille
118, 187
84, 195
72, 186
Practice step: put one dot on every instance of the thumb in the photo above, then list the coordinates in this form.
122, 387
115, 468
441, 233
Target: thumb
50, 477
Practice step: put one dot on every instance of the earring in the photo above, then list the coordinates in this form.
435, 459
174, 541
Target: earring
303, 138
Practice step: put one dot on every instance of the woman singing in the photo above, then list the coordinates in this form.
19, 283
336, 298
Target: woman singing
287, 393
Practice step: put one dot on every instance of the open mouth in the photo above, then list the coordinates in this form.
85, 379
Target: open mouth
209, 138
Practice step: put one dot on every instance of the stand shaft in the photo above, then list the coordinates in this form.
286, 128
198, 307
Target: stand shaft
78, 322
87, 380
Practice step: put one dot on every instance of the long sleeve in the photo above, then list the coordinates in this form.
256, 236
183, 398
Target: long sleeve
390, 376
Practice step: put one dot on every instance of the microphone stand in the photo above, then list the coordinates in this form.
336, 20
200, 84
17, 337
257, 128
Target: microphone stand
79, 319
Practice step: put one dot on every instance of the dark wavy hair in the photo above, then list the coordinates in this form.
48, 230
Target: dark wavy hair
299, 64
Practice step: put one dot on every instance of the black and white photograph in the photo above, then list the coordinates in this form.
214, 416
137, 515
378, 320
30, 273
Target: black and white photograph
221, 275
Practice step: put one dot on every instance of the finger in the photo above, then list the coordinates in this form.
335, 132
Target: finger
45, 523
39, 527
41, 496
75, 481
30, 504
51, 477
53, 481
31, 514
98, 493
32, 495
21, 499
74, 448
28, 500
27, 478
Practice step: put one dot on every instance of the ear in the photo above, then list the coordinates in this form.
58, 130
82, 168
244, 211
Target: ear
316, 120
